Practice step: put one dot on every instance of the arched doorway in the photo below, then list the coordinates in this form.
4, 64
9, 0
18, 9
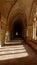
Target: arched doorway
17, 30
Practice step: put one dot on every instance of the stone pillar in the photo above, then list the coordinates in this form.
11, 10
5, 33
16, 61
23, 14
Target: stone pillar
0, 31
34, 30
7, 36
2, 39
27, 33
30, 31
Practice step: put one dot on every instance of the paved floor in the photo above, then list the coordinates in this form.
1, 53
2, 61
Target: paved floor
17, 53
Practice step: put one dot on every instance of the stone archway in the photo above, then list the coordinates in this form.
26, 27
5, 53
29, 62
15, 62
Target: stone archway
17, 29
18, 26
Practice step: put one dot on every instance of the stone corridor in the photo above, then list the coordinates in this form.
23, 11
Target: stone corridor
18, 32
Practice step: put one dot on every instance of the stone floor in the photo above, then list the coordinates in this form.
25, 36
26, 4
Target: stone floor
17, 53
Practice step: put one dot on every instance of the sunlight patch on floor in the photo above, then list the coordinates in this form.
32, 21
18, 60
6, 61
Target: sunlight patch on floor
13, 56
13, 46
12, 52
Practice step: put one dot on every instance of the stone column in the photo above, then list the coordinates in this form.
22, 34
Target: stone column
7, 36
30, 31
2, 35
0, 30
0, 38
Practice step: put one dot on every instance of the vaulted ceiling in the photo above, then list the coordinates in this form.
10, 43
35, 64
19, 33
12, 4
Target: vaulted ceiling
5, 6
9, 8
